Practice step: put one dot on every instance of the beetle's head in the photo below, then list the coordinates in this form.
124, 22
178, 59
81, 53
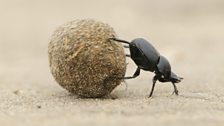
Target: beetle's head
174, 78
164, 70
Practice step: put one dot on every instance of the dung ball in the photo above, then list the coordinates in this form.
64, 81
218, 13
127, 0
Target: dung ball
83, 59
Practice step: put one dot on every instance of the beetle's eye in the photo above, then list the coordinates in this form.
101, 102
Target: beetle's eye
162, 76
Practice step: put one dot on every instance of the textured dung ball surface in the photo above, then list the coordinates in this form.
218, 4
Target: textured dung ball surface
84, 61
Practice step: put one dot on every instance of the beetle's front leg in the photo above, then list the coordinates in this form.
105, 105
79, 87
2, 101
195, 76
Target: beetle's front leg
175, 89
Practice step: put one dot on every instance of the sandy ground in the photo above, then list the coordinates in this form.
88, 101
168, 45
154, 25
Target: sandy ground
188, 33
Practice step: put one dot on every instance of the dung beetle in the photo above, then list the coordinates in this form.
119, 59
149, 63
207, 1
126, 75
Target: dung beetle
147, 58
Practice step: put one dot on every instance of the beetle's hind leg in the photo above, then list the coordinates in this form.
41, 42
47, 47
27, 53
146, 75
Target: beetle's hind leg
137, 73
119, 40
125, 46
175, 89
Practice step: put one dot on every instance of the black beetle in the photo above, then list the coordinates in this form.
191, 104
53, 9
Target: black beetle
147, 58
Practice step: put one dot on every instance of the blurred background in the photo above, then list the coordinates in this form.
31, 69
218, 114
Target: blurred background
188, 32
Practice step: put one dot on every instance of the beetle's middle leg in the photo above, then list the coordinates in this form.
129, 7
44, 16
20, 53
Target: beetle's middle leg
155, 78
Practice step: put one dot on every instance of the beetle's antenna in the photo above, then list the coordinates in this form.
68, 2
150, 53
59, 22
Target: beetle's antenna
119, 40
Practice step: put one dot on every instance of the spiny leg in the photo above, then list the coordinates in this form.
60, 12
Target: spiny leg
153, 85
175, 89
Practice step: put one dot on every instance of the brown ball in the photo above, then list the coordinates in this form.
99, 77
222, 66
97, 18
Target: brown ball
84, 61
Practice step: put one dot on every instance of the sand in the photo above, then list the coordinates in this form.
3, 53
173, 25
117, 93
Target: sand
188, 33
